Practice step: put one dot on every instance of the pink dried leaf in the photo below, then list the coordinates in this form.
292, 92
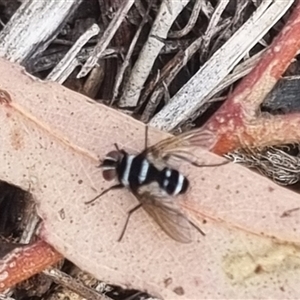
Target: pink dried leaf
51, 141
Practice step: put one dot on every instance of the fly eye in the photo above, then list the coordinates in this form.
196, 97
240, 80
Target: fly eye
110, 164
109, 175
113, 156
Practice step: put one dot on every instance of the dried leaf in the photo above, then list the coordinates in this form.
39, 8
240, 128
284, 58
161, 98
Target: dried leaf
51, 139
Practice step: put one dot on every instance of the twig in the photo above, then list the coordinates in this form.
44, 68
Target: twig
192, 96
211, 29
252, 130
120, 74
74, 285
24, 262
106, 37
25, 35
191, 22
94, 80
239, 72
66, 66
168, 74
207, 8
167, 14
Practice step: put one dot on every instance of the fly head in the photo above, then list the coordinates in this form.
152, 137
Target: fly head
110, 164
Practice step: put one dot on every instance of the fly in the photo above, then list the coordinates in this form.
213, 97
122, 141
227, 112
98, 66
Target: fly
154, 183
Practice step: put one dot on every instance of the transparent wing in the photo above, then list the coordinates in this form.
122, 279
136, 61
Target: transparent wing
165, 211
179, 147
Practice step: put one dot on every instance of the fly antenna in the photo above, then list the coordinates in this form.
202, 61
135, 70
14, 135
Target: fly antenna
117, 147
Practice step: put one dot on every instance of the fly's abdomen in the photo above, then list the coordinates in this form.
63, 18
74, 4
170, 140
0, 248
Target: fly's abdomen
173, 182
135, 171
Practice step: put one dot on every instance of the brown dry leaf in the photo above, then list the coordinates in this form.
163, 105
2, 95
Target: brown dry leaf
50, 142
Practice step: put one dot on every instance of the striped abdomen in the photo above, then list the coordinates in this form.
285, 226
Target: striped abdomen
135, 170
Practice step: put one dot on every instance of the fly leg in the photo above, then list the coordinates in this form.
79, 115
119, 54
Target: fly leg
195, 163
127, 220
195, 226
117, 147
114, 187
212, 165
146, 137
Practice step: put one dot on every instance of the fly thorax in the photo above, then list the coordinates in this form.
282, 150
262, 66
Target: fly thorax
142, 172
135, 171
124, 169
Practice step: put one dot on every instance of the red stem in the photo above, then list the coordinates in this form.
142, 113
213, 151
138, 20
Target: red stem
26, 261
239, 122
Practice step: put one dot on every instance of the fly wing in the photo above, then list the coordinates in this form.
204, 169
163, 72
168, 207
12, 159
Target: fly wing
178, 147
165, 211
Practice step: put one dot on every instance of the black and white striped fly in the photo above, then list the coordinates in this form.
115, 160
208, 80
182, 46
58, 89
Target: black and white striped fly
152, 180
